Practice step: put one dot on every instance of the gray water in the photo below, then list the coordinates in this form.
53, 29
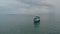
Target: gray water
23, 24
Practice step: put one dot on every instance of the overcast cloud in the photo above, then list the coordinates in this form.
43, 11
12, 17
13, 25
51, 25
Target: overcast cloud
25, 6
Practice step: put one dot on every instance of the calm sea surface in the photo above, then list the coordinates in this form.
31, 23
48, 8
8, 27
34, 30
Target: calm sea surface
23, 24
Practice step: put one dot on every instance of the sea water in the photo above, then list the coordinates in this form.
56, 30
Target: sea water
23, 24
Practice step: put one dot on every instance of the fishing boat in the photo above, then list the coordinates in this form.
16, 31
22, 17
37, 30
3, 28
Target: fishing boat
36, 19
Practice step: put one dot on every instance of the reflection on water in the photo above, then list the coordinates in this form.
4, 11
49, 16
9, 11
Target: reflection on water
36, 24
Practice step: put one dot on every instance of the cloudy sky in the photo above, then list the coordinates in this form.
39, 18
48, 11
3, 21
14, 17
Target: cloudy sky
27, 6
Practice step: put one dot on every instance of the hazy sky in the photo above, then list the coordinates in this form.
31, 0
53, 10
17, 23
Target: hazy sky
26, 6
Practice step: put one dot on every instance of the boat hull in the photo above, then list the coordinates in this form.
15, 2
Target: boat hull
36, 21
